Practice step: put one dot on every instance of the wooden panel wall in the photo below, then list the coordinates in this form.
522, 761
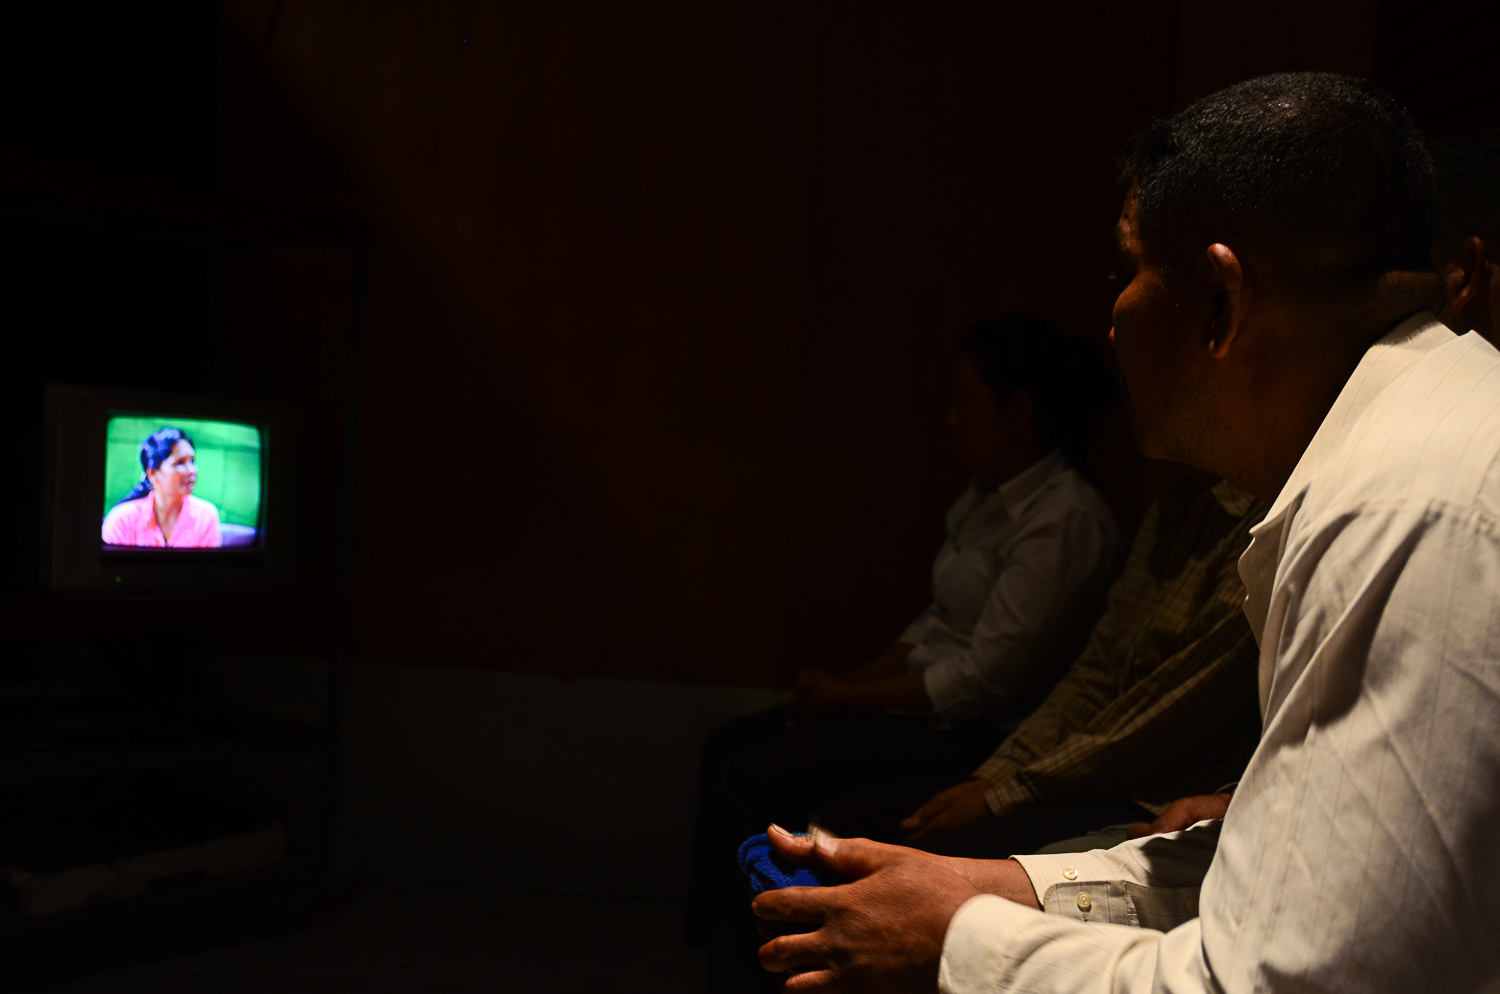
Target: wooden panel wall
664, 292
591, 226
964, 170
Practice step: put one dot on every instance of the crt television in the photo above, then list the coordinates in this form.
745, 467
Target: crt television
153, 492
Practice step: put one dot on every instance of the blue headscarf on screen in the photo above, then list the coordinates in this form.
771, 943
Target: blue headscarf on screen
154, 451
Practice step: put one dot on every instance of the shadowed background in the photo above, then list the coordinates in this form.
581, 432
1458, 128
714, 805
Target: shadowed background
661, 304
661, 307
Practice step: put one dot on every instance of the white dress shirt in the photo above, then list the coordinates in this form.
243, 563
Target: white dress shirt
1362, 849
1021, 566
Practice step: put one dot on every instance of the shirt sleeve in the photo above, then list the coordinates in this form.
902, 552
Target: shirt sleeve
1152, 882
1046, 575
916, 632
1112, 921
1088, 687
1088, 736
921, 628
997, 945
1185, 702
114, 530
1083, 692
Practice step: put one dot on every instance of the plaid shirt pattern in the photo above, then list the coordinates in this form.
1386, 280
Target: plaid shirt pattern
1163, 698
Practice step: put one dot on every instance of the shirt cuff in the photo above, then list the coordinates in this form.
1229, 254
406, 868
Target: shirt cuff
997, 770
1098, 887
1065, 880
1007, 796
993, 944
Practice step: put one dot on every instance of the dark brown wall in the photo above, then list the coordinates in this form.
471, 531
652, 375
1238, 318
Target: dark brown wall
664, 292
591, 238
1222, 43
963, 171
1443, 61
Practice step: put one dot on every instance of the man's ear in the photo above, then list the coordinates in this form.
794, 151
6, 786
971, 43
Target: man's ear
1232, 296
1465, 278
1460, 292
1491, 275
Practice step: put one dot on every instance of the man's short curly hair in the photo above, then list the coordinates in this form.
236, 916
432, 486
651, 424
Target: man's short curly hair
1326, 176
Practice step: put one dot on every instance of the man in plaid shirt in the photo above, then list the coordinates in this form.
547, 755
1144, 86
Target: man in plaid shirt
1161, 704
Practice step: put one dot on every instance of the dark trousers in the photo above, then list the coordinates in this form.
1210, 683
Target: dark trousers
756, 771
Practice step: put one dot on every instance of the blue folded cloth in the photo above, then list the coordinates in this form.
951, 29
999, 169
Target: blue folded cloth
768, 871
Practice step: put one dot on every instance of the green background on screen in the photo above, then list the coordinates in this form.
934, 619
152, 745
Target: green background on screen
228, 456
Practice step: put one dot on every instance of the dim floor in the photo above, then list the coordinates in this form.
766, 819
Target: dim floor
412, 939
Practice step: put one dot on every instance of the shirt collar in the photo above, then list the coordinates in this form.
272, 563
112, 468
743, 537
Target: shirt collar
1383, 361
1017, 493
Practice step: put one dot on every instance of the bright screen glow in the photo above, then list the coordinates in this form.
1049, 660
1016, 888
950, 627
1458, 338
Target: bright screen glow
200, 487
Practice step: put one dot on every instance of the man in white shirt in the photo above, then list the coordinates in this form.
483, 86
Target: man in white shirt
1275, 330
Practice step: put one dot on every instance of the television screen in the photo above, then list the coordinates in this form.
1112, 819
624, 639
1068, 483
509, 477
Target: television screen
181, 483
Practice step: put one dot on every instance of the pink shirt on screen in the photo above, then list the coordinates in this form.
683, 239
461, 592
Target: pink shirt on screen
134, 523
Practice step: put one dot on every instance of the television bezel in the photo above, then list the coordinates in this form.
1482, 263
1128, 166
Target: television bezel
77, 561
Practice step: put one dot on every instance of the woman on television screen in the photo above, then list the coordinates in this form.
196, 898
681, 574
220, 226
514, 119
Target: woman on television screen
160, 511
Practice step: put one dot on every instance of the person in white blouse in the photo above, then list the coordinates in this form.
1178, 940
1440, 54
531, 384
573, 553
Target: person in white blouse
1030, 545
1276, 328
1030, 551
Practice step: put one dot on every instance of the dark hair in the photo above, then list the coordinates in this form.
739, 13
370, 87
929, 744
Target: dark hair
1468, 188
154, 451
1326, 174
1065, 377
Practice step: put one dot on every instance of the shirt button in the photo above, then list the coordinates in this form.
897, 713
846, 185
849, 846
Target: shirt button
1069, 873
1084, 903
